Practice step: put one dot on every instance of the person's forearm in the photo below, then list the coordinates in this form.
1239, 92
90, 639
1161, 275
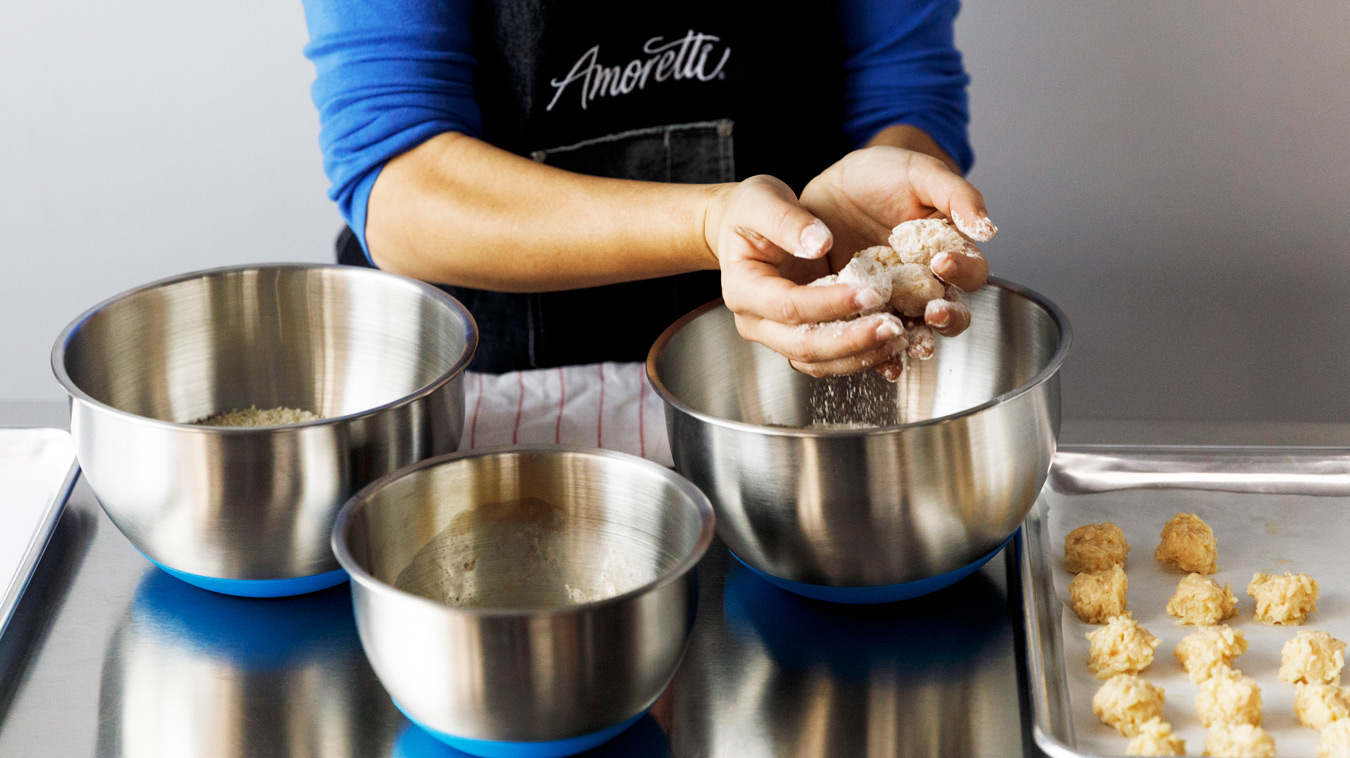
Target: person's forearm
913, 138
457, 210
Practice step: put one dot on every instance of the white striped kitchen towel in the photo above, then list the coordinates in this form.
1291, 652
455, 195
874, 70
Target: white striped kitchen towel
608, 405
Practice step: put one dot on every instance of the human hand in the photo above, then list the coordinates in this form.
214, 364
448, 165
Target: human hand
869, 191
761, 236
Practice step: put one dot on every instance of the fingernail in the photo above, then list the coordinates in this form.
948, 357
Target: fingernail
868, 298
814, 239
888, 330
940, 318
982, 229
944, 265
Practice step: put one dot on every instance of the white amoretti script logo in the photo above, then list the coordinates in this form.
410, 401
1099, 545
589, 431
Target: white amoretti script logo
686, 58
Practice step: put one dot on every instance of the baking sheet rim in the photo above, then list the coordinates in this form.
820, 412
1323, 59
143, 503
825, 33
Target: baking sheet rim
37, 544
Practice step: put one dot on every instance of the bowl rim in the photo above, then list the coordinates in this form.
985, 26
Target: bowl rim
1050, 368
471, 337
342, 525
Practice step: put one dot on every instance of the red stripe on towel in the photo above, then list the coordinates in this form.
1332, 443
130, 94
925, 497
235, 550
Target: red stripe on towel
473, 428
600, 415
520, 404
562, 400
642, 396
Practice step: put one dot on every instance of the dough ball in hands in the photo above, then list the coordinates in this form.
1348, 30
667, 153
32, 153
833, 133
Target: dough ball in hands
1239, 741
1284, 599
1188, 544
921, 240
912, 286
1098, 595
1155, 738
1312, 658
1210, 648
1200, 601
1317, 705
1335, 740
1120, 647
867, 270
1095, 547
1229, 697
1126, 702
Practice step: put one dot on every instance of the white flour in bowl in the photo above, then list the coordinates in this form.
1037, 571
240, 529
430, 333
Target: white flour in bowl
254, 416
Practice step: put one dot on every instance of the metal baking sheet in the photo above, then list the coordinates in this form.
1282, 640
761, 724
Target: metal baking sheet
1272, 510
37, 472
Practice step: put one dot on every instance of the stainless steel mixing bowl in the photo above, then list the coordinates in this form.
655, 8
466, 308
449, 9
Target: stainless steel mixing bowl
946, 464
525, 595
250, 510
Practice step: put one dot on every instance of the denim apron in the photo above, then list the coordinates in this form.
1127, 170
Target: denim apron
698, 91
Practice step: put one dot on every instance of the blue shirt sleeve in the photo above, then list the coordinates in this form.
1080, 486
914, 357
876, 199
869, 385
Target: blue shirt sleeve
391, 74
901, 66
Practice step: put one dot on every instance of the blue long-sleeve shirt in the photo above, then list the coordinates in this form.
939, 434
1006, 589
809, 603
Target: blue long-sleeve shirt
393, 73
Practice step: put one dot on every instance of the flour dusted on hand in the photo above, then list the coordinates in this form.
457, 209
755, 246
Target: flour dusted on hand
254, 416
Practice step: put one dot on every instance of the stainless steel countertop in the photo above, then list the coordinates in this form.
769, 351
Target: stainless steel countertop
107, 656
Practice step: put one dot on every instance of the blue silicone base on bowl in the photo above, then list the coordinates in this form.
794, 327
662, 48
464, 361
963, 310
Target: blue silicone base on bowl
883, 593
300, 585
547, 749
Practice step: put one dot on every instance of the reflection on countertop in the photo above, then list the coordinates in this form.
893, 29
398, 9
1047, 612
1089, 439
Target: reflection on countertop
193, 674
795, 677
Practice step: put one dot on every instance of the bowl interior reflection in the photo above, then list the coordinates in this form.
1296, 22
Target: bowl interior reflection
710, 368
331, 340
524, 530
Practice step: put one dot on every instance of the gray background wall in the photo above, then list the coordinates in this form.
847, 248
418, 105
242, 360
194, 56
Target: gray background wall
1175, 175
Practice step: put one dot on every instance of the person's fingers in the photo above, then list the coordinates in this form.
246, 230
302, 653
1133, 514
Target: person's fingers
818, 343
755, 288
921, 342
947, 318
892, 369
966, 269
878, 356
766, 211
937, 186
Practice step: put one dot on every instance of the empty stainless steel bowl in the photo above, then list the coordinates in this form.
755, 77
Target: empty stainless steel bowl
250, 510
526, 601
853, 489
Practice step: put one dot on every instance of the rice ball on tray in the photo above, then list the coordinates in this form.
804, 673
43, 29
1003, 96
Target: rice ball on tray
1200, 601
1283, 599
1312, 657
1098, 595
1206, 650
1335, 740
1155, 738
1239, 741
1188, 544
1095, 547
1126, 702
1122, 646
1229, 697
1317, 705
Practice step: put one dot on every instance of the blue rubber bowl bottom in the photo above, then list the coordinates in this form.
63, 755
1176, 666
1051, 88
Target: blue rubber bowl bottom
546, 749
882, 593
300, 585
